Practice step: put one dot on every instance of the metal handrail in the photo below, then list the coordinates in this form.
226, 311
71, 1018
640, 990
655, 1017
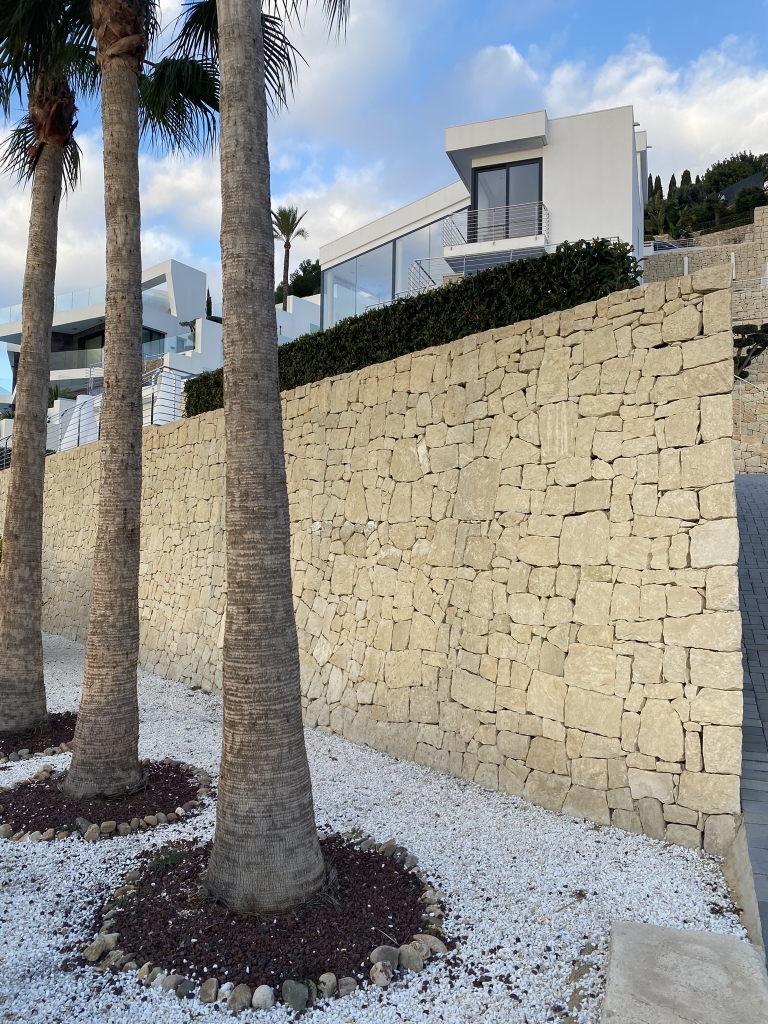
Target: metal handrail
424, 275
523, 220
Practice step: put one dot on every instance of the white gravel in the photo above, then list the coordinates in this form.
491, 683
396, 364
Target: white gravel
527, 889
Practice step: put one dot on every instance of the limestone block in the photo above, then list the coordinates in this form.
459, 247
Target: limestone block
715, 543
592, 495
693, 758
593, 712
630, 552
712, 379
683, 601
683, 835
715, 631
599, 345
547, 790
646, 336
723, 588
546, 697
717, 707
716, 669
591, 668
526, 609
655, 785
682, 325
584, 539
405, 465
712, 794
613, 376
712, 279
679, 505
587, 803
661, 731
716, 417
476, 495
719, 834
708, 350
510, 698
591, 772
606, 445
511, 744
718, 502
402, 668
652, 817
568, 472
646, 667
557, 430
541, 551
625, 602
593, 603
627, 820
602, 747
600, 405
717, 312
661, 362
552, 381
680, 429
343, 574
542, 755
722, 750
472, 691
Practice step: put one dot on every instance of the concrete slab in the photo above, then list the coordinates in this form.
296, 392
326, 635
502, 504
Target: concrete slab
665, 976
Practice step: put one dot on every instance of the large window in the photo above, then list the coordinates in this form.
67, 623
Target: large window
377, 276
506, 200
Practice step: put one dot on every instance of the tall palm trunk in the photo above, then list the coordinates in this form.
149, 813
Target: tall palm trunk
106, 759
22, 689
286, 264
265, 857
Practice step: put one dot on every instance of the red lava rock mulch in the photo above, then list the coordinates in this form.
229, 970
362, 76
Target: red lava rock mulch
40, 805
167, 922
60, 728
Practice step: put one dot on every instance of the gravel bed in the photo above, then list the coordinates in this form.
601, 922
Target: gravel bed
531, 893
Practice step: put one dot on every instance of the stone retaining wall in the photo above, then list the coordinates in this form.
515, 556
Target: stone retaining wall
750, 419
514, 558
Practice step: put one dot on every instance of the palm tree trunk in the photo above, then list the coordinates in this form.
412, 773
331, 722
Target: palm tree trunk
106, 759
22, 688
286, 263
266, 856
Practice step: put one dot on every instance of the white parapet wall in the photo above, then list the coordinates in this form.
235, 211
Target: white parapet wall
514, 557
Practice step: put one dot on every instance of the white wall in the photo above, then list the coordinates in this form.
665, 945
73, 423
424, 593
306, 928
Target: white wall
301, 317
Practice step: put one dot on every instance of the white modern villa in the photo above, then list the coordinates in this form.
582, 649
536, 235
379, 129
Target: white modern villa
526, 183
178, 342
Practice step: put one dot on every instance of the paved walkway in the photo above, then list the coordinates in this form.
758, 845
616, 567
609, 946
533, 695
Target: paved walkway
752, 498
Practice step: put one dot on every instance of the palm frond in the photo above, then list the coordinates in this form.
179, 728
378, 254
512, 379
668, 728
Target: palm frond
179, 103
198, 36
19, 155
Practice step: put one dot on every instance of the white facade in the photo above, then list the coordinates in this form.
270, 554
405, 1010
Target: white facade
301, 317
526, 184
176, 331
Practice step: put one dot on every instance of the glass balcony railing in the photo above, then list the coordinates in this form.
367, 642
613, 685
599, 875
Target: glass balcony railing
153, 298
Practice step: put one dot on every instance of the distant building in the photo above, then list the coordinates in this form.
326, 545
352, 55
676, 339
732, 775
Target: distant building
176, 334
526, 183
301, 317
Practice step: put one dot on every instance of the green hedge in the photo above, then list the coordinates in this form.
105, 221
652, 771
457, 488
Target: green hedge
575, 273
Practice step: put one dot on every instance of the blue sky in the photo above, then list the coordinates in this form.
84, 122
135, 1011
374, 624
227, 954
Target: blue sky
365, 131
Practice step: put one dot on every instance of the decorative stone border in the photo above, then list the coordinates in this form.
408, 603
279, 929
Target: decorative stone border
25, 754
92, 832
104, 955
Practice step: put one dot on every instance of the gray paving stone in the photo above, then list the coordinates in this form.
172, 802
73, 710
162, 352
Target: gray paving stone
666, 976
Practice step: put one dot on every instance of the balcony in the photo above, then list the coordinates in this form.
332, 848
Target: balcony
470, 231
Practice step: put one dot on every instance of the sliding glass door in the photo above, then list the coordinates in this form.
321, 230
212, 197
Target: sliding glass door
507, 201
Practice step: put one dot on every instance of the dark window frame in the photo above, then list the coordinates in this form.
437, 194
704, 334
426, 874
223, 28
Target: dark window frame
505, 166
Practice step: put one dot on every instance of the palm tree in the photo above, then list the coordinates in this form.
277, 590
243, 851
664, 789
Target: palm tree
105, 761
37, 55
266, 856
43, 45
285, 223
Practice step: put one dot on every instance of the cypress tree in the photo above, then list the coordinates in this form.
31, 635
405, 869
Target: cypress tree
650, 185
672, 187
686, 178
657, 189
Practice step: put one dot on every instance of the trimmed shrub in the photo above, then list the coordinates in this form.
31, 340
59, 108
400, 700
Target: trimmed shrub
575, 273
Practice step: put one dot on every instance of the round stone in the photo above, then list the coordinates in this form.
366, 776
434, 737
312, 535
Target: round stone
263, 998
347, 986
410, 959
240, 999
92, 833
150, 819
381, 973
295, 994
209, 991
186, 989
326, 985
124, 829
108, 827
388, 953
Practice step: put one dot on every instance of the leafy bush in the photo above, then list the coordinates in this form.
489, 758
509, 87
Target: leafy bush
575, 273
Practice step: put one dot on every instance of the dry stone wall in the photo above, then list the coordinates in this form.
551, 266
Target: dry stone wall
514, 558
